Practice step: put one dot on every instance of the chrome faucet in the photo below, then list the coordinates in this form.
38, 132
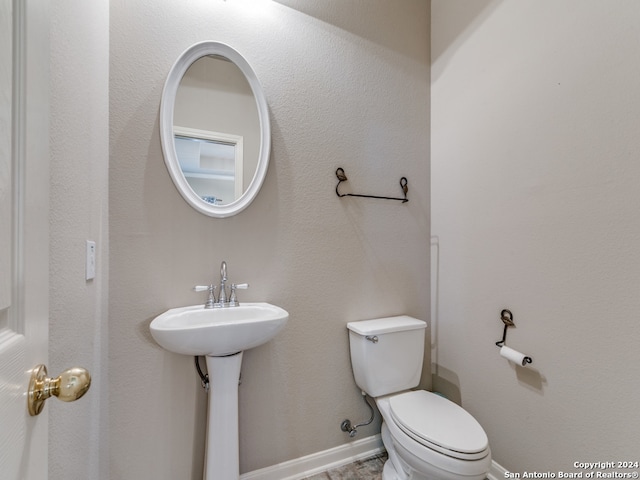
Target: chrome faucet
222, 300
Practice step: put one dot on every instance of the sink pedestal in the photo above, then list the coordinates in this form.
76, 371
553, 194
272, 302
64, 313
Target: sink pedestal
220, 335
222, 460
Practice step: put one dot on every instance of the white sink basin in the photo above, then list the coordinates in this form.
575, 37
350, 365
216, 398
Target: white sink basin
195, 330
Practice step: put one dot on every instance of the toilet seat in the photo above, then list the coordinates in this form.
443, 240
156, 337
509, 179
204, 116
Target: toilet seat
439, 424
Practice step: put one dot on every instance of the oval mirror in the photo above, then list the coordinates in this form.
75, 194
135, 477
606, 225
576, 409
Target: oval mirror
214, 128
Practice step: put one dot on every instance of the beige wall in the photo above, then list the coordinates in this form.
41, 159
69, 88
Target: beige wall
347, 85
535, 146
79, 139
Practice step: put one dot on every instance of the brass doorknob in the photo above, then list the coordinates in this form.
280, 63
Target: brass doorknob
69, 386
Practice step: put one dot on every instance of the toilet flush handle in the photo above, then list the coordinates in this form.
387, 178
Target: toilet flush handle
372, 338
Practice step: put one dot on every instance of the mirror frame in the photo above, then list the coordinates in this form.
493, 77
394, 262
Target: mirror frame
167, 104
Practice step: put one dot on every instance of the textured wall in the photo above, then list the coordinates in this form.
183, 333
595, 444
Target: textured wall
347, 85
535, 114
78, 201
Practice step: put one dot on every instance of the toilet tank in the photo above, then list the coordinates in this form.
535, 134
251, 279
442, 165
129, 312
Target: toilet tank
387, 353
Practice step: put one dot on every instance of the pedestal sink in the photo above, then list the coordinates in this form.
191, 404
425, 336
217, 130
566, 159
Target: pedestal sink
221, 335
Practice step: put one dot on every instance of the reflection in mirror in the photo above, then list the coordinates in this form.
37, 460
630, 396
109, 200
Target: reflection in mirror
215, 96
215, 129
212, 163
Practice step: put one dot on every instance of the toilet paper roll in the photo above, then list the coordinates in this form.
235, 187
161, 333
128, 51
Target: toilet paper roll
515, 356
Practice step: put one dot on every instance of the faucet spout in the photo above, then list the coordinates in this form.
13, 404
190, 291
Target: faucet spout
222, 298
223, 271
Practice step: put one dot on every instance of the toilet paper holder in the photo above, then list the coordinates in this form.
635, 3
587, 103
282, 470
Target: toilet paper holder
507, 318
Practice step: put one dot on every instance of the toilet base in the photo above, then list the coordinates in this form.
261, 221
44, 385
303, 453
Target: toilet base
389, 472
395, 468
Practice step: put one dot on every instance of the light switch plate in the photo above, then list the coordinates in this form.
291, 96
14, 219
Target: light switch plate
91, 260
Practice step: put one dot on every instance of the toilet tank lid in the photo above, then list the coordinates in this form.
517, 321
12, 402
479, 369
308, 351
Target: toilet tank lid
378, 326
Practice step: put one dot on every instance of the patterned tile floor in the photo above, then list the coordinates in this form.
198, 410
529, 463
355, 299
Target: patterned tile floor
367, 469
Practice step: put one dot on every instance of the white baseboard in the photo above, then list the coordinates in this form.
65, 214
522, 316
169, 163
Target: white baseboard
336, 457
497, 471
320, 461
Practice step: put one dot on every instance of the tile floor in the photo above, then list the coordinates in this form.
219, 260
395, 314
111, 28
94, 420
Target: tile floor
367, 469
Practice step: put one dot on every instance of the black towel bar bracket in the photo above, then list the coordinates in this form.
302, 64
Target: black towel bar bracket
342, 177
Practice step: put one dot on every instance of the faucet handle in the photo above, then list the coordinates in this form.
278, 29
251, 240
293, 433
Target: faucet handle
233, 299
211, 300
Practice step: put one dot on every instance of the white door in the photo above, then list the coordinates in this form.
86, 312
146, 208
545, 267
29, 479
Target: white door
24, 232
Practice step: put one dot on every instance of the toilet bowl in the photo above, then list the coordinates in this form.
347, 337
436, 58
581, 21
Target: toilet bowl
433, 438
426, 436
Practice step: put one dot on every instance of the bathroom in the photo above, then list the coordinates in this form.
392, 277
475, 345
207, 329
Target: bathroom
513, 122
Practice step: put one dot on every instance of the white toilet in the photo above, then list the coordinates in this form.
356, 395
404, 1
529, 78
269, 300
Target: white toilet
426, 436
